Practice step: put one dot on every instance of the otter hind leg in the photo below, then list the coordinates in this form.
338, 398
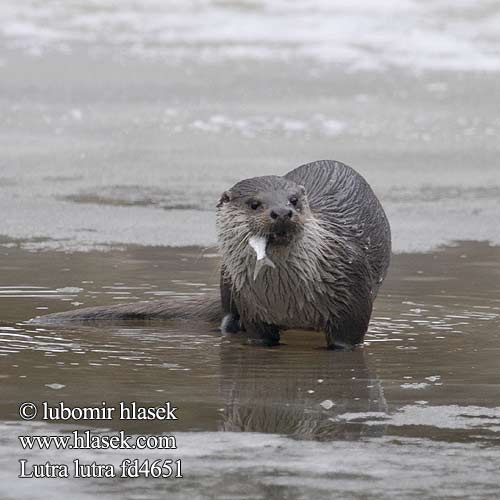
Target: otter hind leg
344, 336
230, 323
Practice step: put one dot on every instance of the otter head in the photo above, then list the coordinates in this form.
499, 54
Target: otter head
270, 206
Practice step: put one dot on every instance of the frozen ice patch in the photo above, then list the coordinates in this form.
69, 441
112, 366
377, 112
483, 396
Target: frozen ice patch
443, 34
443, 417
251, 126
56, 387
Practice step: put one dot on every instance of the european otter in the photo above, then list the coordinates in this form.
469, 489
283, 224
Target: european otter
329, 240
328, 247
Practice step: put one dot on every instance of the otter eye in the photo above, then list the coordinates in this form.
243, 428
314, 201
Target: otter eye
254, 204
294, 200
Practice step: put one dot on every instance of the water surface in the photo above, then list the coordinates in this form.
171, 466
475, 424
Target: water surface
418, 400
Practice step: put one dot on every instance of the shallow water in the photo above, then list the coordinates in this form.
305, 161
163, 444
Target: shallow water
414, 411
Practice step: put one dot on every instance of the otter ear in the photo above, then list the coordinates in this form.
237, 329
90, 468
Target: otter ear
225, 198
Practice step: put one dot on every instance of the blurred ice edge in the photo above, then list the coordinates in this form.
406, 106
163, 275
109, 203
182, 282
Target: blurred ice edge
417, 34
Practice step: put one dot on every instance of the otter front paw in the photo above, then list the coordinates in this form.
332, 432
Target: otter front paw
263, 334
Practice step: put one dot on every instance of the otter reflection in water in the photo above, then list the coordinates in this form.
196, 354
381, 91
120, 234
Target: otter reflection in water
326, 241
266, 391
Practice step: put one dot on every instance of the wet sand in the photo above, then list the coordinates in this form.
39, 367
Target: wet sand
419, 402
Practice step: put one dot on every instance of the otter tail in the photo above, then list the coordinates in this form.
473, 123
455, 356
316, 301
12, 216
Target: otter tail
206, 307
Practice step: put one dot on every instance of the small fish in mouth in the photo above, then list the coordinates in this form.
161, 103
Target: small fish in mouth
259, 244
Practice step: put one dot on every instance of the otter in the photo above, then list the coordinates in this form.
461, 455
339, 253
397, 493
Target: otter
326, 241
329, 240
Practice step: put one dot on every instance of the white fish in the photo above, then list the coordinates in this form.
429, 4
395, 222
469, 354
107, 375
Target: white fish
259, 244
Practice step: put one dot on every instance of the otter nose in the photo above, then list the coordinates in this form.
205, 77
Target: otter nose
281, 213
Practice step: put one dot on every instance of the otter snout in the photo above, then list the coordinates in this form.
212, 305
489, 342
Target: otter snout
282, 225
280, 214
